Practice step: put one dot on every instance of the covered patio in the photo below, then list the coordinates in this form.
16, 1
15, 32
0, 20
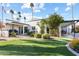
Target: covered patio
19, 27
66, 29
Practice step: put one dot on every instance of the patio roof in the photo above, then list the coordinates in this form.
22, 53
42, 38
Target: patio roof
72, 20
17, 23
68, 22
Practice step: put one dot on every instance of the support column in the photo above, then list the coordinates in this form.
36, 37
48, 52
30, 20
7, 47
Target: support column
45, 29
60, 31
23, 30
20, 30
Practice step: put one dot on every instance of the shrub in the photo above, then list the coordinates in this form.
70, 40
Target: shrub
46, 36
38, 35
13, 34
76, 46
74, 42
54, 32
32, 34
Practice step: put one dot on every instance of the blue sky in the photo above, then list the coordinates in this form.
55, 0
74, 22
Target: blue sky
41, 10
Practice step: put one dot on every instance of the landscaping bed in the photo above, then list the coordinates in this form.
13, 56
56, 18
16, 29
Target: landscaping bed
73, 46
75, 49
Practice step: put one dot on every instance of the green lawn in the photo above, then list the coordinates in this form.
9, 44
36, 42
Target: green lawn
34, 47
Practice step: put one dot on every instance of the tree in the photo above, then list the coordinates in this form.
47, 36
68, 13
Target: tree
42, 24
1, 26
54, 22
32, 5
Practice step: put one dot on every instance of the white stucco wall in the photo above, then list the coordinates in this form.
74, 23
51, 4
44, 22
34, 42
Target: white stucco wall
35, 24
68, 29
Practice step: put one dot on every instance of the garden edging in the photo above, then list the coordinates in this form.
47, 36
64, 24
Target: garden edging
71, 50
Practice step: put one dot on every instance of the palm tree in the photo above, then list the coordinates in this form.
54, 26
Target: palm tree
19, 15
12, 12
24, 19
32, 5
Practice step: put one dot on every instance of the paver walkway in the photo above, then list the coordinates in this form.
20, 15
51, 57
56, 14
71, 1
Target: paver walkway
18, 37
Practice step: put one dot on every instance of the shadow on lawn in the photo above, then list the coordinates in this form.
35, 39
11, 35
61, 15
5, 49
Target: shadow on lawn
47, 42
33, 50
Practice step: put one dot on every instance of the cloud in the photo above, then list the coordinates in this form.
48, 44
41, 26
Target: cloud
76, 18
29, 16
37, 10
25, 5
41, 5
2, 4
37, 17
37, 6
7, 5
56, 9
8, 11
15, 12
47, 16
67, 9
69, 4
15, 16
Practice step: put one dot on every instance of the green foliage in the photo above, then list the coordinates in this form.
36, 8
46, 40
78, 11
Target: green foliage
38, 35
13, 34
77, 46
42, 23
55, 20
46, 36
30, 34
74, 42
42, 30
54, 32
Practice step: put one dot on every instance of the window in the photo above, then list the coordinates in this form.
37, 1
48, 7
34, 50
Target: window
33, 27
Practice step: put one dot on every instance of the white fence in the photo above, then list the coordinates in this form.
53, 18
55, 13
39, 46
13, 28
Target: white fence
4, 33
